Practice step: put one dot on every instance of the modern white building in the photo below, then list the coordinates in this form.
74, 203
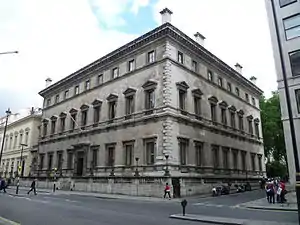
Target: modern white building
22, 128
284, 22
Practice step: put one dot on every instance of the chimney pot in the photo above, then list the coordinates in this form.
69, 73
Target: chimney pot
48, 82
199, 38
253, 79
238, 68
166, 15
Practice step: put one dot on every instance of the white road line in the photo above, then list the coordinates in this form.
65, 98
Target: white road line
68, 200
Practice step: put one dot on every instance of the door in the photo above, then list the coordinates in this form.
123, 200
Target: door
80, 162
176, 187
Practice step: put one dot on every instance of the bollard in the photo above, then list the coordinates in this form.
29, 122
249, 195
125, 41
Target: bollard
54, 186
183, 205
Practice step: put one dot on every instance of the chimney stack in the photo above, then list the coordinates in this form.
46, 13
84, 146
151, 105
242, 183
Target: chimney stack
48, 82
253, 79
166, 15
199, 38
238, 68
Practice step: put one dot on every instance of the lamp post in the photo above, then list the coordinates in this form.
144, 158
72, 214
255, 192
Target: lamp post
136, 173
289, 107
8, 113
167, 172
20, 168
10, 52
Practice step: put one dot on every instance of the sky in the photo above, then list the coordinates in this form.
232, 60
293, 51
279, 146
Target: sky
57, 37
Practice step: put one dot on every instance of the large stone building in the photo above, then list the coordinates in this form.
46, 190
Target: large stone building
285, 33
159, 105
22, 129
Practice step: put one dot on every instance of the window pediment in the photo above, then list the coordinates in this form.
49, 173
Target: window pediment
197, 92
182, 85
256, 120
21, 131
11, 134
53, 118
96, 102
112, 97
232, 108
149, 84
62, 114
45, 120
223, 104
213, 99
16, 132
84, 107
241, 112
129, 91
250, 117
73, 111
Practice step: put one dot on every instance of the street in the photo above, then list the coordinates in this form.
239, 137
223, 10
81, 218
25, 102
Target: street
48, 208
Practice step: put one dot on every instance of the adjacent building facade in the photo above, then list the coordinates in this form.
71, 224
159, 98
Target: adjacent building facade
161, 105
286, 33
21, 130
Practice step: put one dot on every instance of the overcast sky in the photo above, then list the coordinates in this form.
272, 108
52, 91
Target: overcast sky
57, 37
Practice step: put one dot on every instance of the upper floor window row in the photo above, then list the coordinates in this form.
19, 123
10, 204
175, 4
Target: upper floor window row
292, 26
283, 3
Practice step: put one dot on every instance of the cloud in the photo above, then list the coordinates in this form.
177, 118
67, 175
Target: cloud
137, 4
236, 31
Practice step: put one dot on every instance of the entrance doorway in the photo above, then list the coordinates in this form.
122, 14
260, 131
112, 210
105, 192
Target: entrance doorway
80, 160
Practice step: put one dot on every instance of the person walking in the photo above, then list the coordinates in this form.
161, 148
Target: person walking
270, 192
3, 185
32, 187
167, 191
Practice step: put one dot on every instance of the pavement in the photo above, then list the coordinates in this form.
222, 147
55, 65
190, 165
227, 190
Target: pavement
72, 209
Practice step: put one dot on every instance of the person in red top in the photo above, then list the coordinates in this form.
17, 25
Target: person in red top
167, 191
282, 192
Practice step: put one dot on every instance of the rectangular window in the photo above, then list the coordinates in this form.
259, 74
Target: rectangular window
210, 75
112, 106
256, 125
213, 112
20, 139
53, 126
59, 160
131, 65
229, 88
180, 57
149, 99
128, 154
292, 27
253, 101
95, 157
26, 137
45, 126
250, 127
232, 119
84, 117
87, 85
151, 57
183, 145
66, 94
182, 97
150, 152
197, 105
216, 160
16, 141
241, 123
225, 157
62, 124
244, 166
115, 73
220, 81
76, 91
11, 142
295, 62
237, 91
297, 95
50, 161
96, 114
73, 121
253, 162
48, 101
260, 162
199, 153
235, 159
42, 157
247, 97
70, 160
110, 161
224, 116
129, 104
100, 79
286, 2
56, 98
194, 66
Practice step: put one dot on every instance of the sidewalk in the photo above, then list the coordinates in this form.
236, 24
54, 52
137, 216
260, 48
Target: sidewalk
263, 204
225, 220
12, 191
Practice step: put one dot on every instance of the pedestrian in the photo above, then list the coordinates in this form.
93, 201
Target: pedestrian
270, 192
282, 192
32, 187
3, 185
167, 191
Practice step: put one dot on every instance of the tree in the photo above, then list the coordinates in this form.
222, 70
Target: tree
272, 128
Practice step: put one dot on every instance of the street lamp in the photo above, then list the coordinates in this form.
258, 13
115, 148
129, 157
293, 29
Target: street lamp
20, 167
8, 113
136, 174
289, 107
11, 52
167, 172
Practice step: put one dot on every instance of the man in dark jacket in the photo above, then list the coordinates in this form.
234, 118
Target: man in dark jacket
3, 185
33, 187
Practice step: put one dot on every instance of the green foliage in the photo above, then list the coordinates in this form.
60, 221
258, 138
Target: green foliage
276, 169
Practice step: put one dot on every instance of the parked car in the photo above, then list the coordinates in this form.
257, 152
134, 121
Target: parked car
220, 190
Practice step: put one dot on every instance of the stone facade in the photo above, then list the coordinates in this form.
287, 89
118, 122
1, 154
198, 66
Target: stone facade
133, 112
287, 12
20, 130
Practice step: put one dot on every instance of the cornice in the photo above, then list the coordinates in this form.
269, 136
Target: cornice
165, 30
22, 120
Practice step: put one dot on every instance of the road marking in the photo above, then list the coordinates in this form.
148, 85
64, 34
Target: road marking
68, 200
7, 221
